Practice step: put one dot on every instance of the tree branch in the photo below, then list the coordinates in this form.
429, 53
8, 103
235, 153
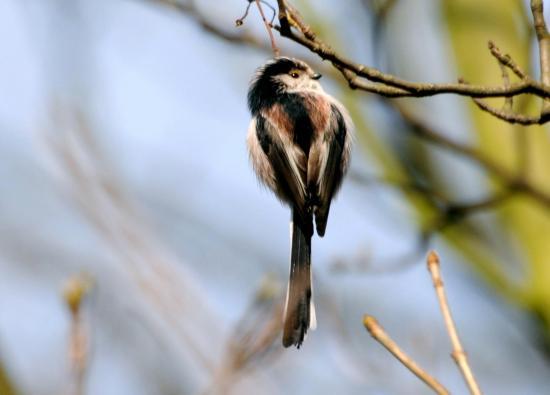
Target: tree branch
509, 116
378, 333
506, 113
75, 291
389, 85
283, 18
458, 354
506, 60
189, 8
514, 182
274, 47
543, 39
422, 130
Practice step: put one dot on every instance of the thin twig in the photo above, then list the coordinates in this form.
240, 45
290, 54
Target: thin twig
189, 8
506, 60
462, 209
276, 51
458, 354
423, 130
514, 181
392, 85
253, 338
435, 197
378, 333
168, 293
283, 18
380, 83
508, 101
451, 213
503, 114
508, 116
240, 21
543, 39
506, 113
74, 292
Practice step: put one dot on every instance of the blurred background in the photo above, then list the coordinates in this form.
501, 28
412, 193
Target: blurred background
124, 176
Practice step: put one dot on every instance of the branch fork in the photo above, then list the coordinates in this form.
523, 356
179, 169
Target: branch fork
458, 354
359, 76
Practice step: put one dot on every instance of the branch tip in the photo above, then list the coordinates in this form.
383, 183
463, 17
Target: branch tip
458, 354
380, 335
432, 259
370, 323
268, 26
543, 39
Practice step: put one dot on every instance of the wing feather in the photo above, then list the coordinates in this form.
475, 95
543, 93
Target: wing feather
331, 153
288, 162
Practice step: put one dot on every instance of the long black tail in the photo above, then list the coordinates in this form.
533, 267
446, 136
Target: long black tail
299, 310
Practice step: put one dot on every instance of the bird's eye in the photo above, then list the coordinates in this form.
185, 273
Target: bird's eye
294, 74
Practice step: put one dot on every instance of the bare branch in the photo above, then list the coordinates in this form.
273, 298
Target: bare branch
506, 60
514, 182
463, 209
423, 130
160, 281
378, 333
509, 116
240, 21
283, 18
209, 26
276, 51
508, 101
543, 39
381, 83
74, 292
448, 208
453, 212
404, 88
506, 114
458, 354
253, 338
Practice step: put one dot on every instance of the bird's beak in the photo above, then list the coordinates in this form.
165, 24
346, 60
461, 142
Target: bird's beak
316, 76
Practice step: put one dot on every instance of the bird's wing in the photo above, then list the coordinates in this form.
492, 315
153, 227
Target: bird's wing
328, 163
287, 160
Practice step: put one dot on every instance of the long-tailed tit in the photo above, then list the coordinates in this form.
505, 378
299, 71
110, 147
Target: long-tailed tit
299, 142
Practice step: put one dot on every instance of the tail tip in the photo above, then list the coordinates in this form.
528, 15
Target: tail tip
321, 226
294, 339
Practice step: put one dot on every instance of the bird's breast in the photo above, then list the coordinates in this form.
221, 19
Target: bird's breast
300, 117
280, 118
318, 110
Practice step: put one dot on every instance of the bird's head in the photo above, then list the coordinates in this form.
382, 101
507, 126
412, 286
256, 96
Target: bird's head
279, 76
291, 75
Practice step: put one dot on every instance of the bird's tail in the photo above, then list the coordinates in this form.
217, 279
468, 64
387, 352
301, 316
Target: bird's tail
299, 314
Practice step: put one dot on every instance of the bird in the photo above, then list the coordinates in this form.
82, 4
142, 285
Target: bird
299, 143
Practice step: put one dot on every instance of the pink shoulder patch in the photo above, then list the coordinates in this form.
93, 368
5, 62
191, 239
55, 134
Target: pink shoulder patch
318, 108
277, 115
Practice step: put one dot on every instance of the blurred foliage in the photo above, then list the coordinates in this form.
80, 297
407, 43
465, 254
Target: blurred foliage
7, 387
525, 151
509, 248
